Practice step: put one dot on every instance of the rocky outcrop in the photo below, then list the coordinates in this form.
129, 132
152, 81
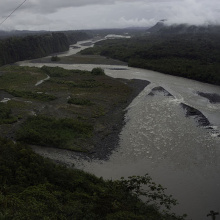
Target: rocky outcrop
196, 114
212, 97
160, 91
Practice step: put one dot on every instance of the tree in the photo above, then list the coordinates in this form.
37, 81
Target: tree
98, 71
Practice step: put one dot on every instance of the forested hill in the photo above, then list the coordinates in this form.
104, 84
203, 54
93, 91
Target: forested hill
14, 49
194, 55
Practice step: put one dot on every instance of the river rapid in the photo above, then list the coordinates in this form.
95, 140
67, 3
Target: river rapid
160, 140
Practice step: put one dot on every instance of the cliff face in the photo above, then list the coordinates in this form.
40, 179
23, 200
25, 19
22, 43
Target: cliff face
20, 48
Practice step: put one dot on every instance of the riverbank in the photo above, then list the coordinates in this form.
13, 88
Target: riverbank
114, 122
95, 100
158, 139
181, 55
108, 127
81, 59
105, 141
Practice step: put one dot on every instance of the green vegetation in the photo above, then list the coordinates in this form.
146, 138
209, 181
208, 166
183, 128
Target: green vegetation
20, 78
52, 132
55, 58
90, 51
98, 71
152, 192
35, 188
194, 56
21, 48
60, 72
15, 49
32, 95
6, 115
79, 101
84, 59
91, 83
92, 97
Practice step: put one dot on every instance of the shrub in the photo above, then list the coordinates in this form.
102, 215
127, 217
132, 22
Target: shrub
55, 58
98, 71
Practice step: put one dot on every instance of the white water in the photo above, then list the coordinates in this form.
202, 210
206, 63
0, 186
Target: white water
158, 139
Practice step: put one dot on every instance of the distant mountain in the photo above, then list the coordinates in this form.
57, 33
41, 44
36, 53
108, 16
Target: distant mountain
162, 28
157, 27
17, 33
136, 28
120, 31
76, 35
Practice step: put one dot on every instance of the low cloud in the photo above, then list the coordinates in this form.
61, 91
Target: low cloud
194, 12
134, 22
88, 14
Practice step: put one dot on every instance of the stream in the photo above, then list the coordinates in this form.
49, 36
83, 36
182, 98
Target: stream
160, 140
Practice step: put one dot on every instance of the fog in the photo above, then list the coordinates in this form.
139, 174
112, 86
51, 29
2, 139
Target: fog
94, 14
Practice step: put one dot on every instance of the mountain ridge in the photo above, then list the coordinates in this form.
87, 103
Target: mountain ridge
162, 27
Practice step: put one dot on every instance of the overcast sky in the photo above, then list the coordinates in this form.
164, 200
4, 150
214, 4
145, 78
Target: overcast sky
93, 14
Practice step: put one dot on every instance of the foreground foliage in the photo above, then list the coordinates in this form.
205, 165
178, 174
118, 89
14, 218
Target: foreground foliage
35, 188
32, 95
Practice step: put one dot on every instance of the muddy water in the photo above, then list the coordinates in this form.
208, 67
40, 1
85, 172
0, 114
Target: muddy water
158, 139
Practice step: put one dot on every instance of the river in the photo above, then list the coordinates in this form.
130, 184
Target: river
160, 140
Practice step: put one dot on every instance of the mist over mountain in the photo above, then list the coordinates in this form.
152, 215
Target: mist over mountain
19, 33
162, 28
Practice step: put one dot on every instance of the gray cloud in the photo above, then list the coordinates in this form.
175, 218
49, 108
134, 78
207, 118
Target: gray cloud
87, 14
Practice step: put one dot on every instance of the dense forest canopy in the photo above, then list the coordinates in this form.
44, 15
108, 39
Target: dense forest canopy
14, 49
35, 188
191, 55
20, 33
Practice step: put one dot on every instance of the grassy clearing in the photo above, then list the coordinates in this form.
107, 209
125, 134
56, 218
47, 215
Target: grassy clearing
48, 131
60, 72
17, 104
79, 95
79, 101
83, 59
32, 95
20, 78
91, 83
